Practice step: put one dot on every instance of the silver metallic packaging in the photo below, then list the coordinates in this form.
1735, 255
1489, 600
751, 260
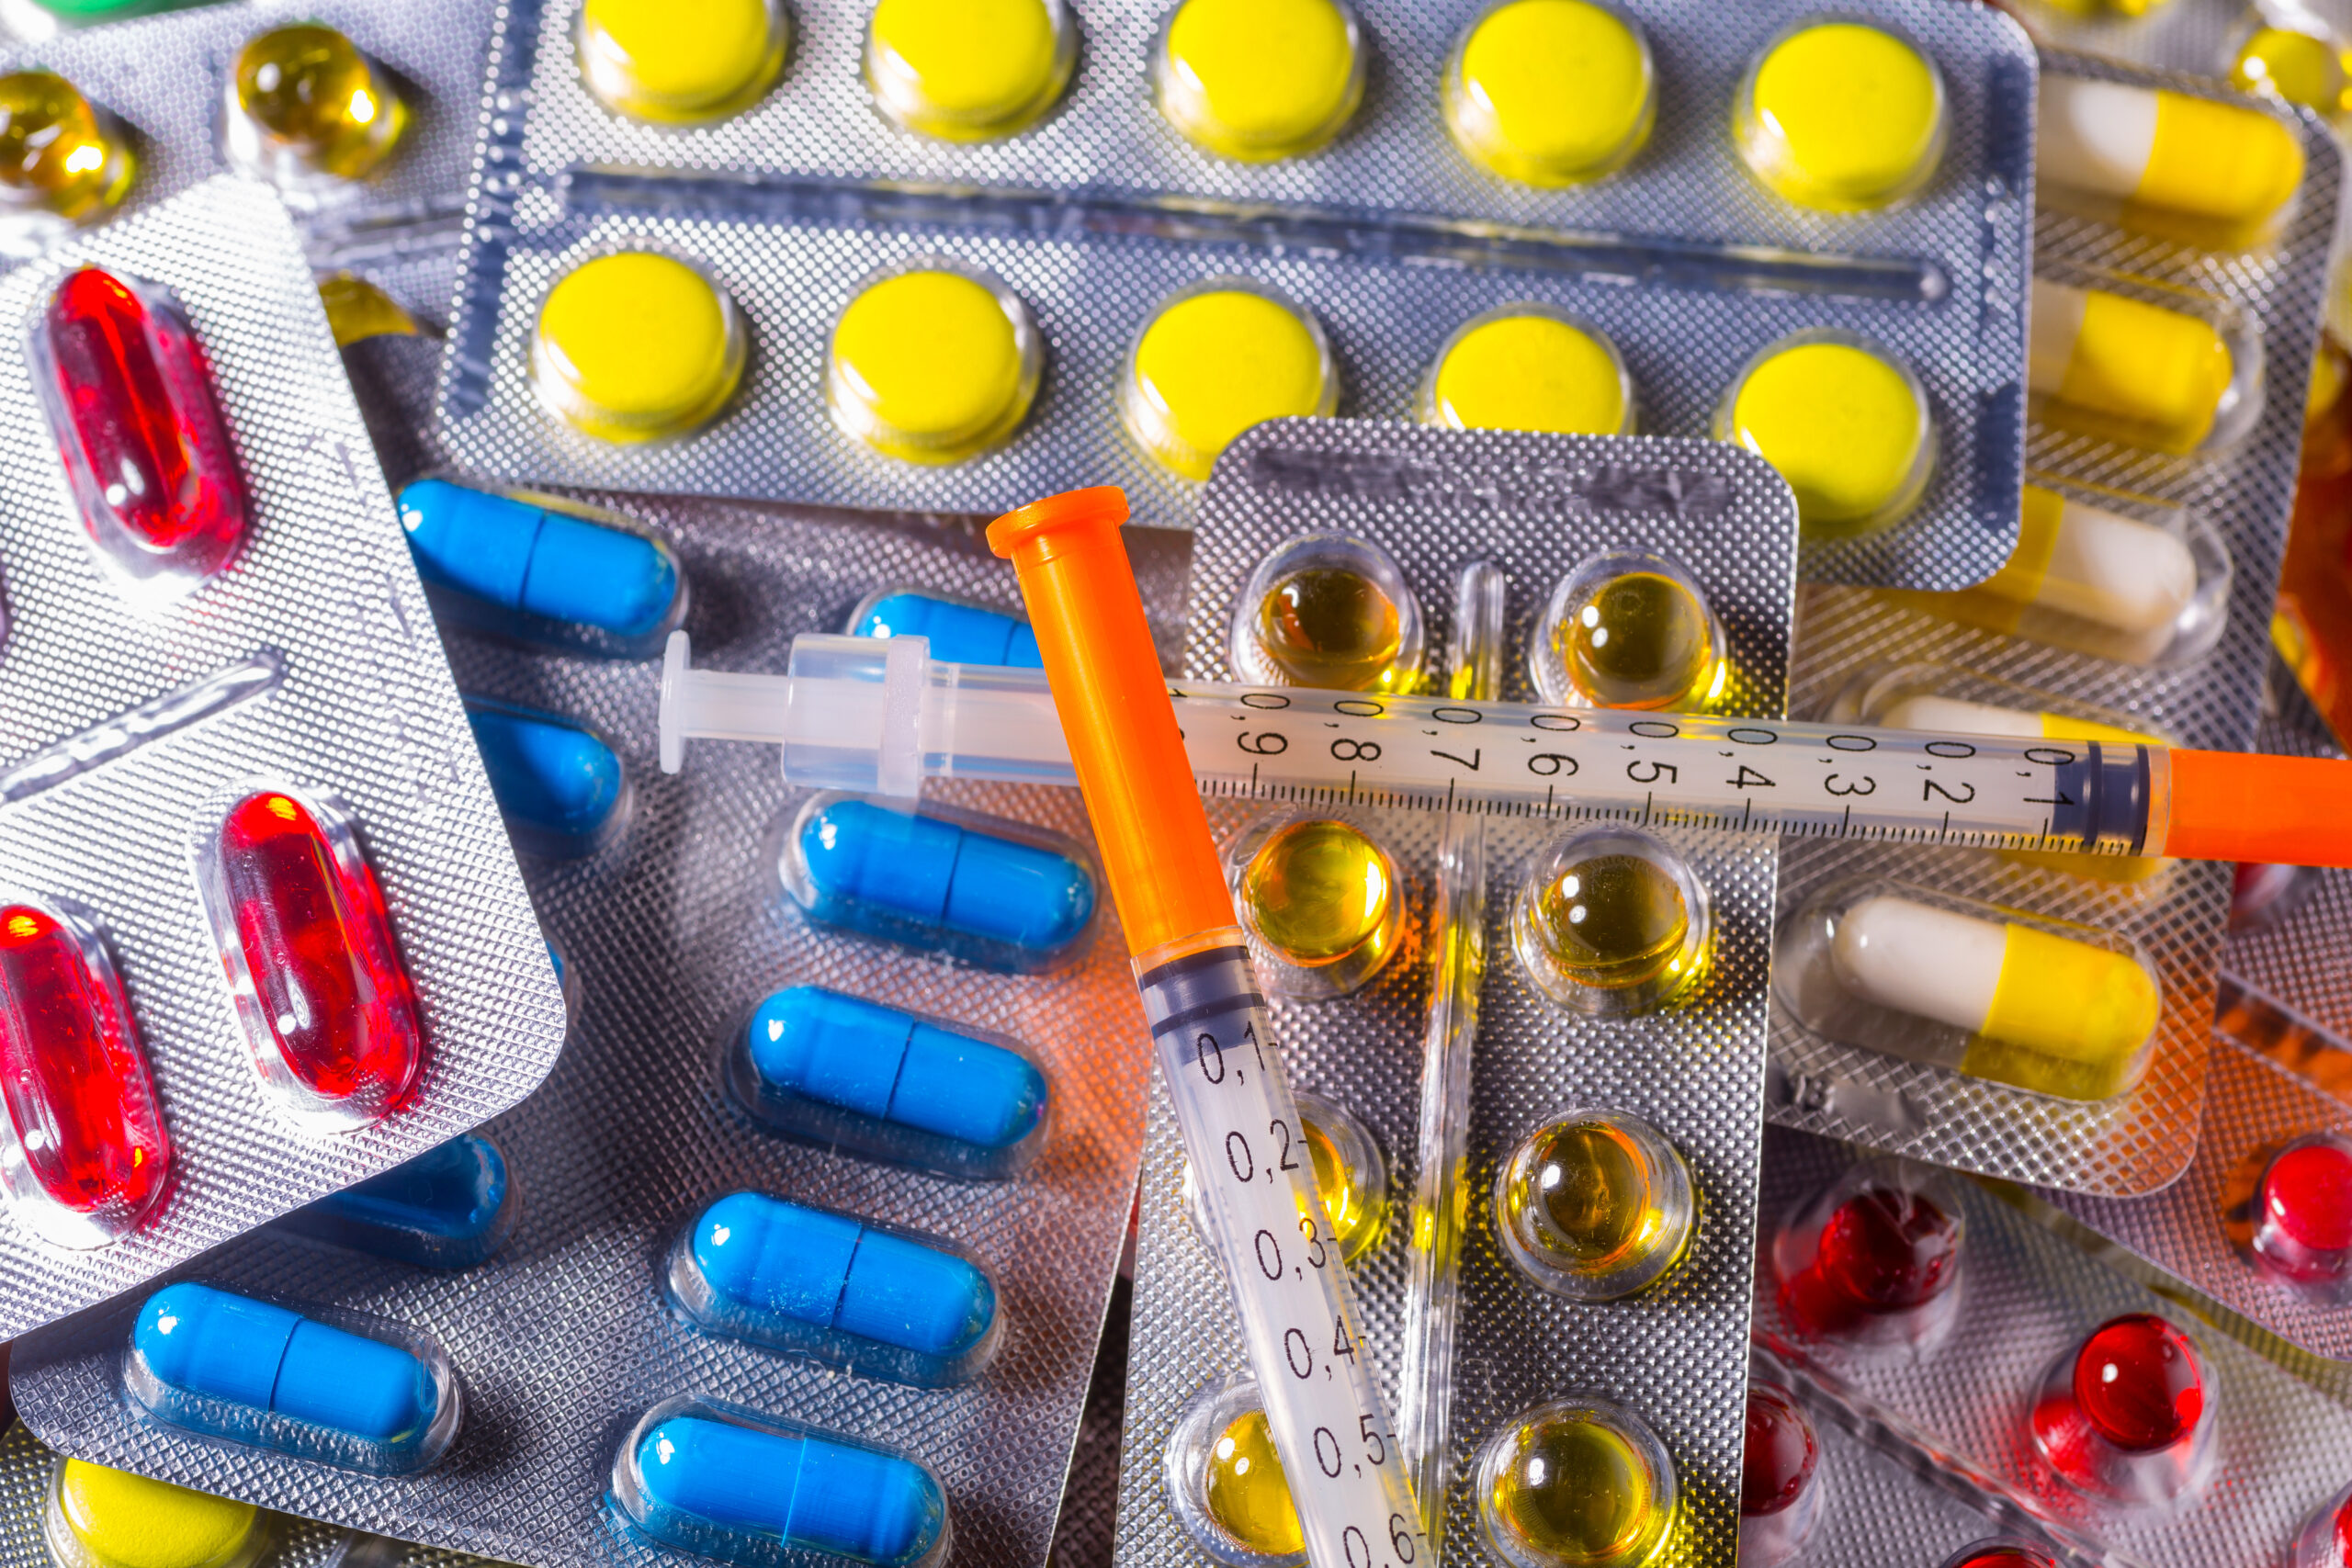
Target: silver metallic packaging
1675, 1355
163, 75
312, 657
1390, 237
2140, 1140
2027, 1298
563, 1339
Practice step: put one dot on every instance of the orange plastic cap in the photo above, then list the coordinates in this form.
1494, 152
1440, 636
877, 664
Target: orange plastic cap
2247, 807
1087, 614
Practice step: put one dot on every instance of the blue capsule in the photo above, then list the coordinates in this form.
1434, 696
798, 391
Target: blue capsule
927, 882
620, 587
231, 1366
450, 1207
735, 1491
934, 1096
827, 1286
562, 790
964, 634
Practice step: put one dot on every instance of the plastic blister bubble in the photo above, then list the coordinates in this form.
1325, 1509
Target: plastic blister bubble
432, 48
1674, 1353
2029, 1299
1101, 209
562, 1339
311, 656
2141, 1140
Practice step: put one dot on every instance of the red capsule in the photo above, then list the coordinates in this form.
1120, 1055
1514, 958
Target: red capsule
87, 1155
1780, 1456
1884, 1253
1999, 1554
321, 990
2302, 1226
2125, 1416
123, 379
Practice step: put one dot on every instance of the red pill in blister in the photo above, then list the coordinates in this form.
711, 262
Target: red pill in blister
2302, 1219
86, 1155
1874, 1260
123, 381
2126, 1415
1780, 1489
2325, 1539
320, 992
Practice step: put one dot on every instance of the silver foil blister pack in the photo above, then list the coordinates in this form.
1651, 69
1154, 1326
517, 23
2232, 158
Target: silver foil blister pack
312, 657
1676, 1354
2140, 1140
164, 77
1389, 237
564, 1337
2025, 1300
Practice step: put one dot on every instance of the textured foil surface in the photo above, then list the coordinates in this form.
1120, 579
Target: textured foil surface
365, 706
2141, 1140
1389, 236
164, 77
2028, 1298
1678, 1353
1882, 1504
563, 1339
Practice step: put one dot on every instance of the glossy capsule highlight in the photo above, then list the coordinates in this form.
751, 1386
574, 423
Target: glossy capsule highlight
1628, 630
1780, 1486
306, 109
86, 1156
958, 633
2303, 1215
123, 383
730, 1483
1875, 1260
451, 1207
1323, 903
64, 160
1612, 922
2126, 1415
319, 991
370, 1398
985, 890
1578, 1482
541, 571
1226, 1483
559, 786
847, 1072
815, 1283
1330, 611
1594, 1205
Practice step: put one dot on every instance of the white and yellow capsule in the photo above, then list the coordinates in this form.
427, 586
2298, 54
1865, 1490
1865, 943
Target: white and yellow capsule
2106, 365
2221, 165
2048, 1013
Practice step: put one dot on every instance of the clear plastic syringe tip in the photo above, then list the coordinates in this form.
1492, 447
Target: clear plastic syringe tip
849, 712
707, 705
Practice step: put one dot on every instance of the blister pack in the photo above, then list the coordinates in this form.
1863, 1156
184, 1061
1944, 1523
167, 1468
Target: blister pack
1951, 1325
1104, 271
704, 1098
1611, 1118
235, 673
2183, 546
362, 117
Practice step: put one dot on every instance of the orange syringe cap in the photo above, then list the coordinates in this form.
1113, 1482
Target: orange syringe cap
1149, 823
2248, 807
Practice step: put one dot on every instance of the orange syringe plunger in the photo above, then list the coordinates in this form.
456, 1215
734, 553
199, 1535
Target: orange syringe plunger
1129, 756
2248, 807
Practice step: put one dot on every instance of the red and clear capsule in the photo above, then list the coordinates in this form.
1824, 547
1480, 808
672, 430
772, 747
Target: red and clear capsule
2126, 1415
1874, 1261
2325, 1539
123, 381
86, 1156
2302, 1218
2000, 1554
320, 992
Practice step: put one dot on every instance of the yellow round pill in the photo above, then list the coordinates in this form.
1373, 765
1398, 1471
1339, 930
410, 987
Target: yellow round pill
635, 346
969, 69
98, 1518
1527, 368
1841, 116
1551, 92
932, 364
677, 61
1845, 422
1215, 360
1259, 80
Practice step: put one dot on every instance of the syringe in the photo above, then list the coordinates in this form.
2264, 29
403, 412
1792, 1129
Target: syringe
1211, 1035
881, 716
